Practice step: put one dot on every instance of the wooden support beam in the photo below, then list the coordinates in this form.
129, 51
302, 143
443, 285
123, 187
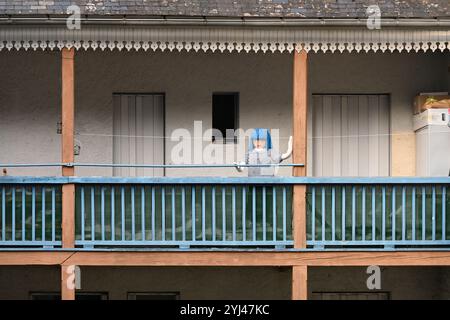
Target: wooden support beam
299, 283
68, 216
67, 282
299, 116
67, 145
68, 110
31, 258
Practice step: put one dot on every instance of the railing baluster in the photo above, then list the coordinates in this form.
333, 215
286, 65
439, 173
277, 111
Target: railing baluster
383, 215
254, 213
103, 212
343, 213
274, 212
133, 213
23, 213
213, 213
93, 213
353, 213
173, 215
393, 213
4, 214
82, 213
313, 218
43, 214
423, 213
264, 213
323, 213
224, 217
413, 213
122, 211
443, 212
193, 212
163, 213
183, 213
13, 213
113, 218
284, 215
244, 202
373, 213
53, 214
333, 213
433, 216
143, 213
33, 213
233, 192
403, 213
203, 214
153, 215
363, 209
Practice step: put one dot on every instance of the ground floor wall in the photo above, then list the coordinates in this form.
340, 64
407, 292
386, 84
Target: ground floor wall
18, 282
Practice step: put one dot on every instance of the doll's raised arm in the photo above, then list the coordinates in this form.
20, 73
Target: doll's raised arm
288, 153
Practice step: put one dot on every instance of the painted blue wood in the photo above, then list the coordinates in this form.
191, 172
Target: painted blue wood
102, 218
92, 197
313, 210
13, 214
23, 213
183, 213
82, 213
343, 213
443, 213
133, 213
264, 212
323, 213
244, 202
363, 212
254, 213
433, 215
33, 213
3, 214
122, 212
333, 213
43, 214
393, 211
163, 213
284, 215
7, 180
274, 213
203, 214
173, 215
403, 213
213, 212
413, 213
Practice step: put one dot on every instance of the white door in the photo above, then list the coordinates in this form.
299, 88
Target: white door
351, 135
138, 133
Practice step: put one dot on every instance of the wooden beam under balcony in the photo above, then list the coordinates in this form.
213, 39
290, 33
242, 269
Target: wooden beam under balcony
299, 116
299, 283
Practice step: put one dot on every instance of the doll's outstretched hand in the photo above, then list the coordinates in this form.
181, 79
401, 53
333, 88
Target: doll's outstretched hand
288, 153
238, 167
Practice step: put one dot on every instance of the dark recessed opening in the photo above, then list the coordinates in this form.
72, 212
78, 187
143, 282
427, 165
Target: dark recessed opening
225, 115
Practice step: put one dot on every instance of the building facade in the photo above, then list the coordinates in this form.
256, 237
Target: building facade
111, 174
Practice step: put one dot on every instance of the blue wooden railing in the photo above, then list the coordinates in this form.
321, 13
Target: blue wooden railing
211, 212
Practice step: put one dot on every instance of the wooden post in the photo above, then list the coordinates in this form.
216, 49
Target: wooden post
299, 283
68, 110
67, 145
299, 116
67, 283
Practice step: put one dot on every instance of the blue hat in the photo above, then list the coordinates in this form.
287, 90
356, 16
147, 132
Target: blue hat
260, 134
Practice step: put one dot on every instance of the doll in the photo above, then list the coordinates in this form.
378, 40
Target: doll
260, 152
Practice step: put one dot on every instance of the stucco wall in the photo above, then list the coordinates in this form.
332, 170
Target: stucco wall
30, 97
226, 283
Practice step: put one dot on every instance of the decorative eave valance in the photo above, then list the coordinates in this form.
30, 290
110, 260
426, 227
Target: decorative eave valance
223, 39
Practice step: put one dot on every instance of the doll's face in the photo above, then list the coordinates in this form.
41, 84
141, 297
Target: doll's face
259, 144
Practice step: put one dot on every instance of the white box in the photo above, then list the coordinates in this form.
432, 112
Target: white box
435, 117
